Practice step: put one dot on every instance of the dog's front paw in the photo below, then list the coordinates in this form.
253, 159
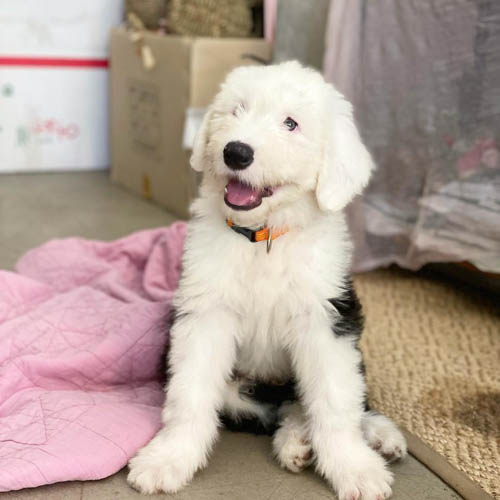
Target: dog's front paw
164, 465
365, 477
155, 474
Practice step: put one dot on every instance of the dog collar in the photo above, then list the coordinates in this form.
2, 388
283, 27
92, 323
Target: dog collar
262, 234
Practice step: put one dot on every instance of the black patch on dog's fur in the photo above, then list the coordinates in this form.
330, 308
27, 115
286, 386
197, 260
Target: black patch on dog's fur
263, 393
273, 393
250, 425
351, 320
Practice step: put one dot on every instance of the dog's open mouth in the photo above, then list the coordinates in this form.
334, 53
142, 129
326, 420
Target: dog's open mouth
241, 196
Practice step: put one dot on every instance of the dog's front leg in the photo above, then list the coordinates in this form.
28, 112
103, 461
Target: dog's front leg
200, 361
332, 387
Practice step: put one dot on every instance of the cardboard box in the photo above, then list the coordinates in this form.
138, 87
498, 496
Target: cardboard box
53, 84
153, 110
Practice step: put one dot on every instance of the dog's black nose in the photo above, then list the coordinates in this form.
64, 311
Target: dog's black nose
238, 155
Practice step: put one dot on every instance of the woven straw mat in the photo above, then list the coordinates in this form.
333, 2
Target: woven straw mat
432, 354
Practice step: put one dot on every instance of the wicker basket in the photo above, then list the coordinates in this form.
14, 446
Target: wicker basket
215, 18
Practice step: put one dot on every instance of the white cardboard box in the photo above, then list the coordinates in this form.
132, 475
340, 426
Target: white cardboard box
54, 83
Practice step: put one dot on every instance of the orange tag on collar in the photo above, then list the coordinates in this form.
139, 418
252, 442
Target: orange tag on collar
259, 235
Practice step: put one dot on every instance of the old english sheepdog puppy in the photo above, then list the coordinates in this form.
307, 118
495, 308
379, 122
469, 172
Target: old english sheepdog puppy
266, 320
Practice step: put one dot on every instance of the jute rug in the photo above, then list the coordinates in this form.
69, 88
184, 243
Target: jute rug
432, 353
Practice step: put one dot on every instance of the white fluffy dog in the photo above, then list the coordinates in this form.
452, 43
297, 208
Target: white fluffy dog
265, 300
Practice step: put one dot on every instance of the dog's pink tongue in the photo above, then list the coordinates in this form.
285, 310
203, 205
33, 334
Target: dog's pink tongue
240, 194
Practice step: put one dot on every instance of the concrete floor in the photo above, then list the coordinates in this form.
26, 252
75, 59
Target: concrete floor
35, 208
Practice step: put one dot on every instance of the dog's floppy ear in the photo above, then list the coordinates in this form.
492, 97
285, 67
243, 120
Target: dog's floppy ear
200, 142
347, 164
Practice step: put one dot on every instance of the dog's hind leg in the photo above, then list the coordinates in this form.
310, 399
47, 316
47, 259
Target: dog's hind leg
383, 436
239, 404
291, 442
241, 412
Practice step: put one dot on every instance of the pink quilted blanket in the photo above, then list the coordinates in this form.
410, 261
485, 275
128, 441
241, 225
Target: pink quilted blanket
80, 350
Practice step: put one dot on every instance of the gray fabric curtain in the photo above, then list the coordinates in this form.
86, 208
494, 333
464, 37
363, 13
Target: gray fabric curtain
300, 31
424, 77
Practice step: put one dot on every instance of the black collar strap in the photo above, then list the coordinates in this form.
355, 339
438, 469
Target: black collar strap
248, 233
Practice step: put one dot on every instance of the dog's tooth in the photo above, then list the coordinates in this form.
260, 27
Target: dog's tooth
225, 189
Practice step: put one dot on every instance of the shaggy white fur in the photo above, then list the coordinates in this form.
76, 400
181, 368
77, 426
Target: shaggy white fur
267, 315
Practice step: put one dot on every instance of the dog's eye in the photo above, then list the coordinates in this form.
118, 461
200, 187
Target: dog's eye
290, 124
238, 109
